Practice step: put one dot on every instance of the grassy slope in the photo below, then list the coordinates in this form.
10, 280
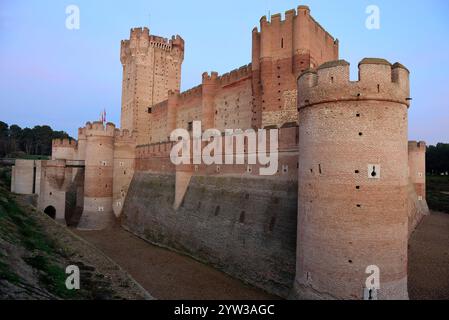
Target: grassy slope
20, 232
437, 200
34, 252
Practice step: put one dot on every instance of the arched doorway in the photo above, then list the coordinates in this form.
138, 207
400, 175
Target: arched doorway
51, 212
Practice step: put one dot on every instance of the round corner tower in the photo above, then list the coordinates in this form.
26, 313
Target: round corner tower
417, 167
353, 177
82, 139
99, 160
63, 149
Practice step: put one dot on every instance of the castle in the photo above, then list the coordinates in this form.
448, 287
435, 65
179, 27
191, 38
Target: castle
349, 188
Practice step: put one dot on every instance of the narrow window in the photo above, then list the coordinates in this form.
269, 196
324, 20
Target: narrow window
242, 217
272, 223
282, 43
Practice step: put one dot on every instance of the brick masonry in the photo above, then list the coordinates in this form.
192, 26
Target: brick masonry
308, 231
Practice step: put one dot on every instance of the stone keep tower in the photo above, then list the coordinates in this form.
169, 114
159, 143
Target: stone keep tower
151, 67
98, 178
281, 50
353, 178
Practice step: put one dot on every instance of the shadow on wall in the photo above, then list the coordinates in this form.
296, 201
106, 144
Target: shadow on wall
243, 226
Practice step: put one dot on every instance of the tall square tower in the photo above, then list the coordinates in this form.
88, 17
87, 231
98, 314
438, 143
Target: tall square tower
151, 68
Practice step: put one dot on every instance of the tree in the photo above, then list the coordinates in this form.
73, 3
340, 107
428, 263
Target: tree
35, 141
4, 139
437, 158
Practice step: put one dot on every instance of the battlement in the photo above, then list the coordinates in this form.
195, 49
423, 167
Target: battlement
125, 135
378, 80
236, 75
290, 15
193, 92
177, 41
97, 128
172, 93
138, 32
417, 146
140, 40
81, 133
209, 78
64, 143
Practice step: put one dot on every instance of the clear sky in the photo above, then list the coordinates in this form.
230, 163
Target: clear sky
52, 75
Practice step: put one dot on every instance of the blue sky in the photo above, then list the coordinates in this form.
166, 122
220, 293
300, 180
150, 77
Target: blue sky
52, 75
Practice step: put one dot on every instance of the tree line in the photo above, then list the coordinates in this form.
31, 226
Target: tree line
437, 158
16, 142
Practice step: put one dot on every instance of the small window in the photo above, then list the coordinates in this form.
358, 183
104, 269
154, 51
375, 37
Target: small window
150, 110
242, 217
282, 43
190, 126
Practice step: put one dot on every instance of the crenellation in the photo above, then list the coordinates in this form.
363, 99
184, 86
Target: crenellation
64, 143
193, 92
419, 146
290, 14
378, 80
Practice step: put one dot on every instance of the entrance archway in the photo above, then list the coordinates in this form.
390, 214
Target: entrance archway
51, 212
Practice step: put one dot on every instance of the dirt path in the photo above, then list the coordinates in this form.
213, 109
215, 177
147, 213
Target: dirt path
169, 275
429, 258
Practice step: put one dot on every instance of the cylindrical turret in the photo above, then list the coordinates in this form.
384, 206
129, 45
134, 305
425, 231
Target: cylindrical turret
353, 178
417, 167
63, 149
97, 213
82, 139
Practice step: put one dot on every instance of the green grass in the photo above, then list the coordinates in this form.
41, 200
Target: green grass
52, 276
5, 175
22, 229
436, 199
6, 273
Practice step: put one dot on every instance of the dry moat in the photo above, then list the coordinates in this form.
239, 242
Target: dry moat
117, 265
